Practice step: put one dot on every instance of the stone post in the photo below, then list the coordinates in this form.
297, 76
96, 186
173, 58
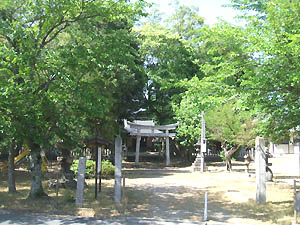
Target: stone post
203, 143
118, 170
80, 181
203, 139
137, 148
99, 160
260, 170
299, 157
167, 149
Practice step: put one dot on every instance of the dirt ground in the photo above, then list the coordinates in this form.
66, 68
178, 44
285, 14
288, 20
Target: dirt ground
175, 193
178, 193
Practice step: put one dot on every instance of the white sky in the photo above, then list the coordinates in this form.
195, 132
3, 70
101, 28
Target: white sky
211, 10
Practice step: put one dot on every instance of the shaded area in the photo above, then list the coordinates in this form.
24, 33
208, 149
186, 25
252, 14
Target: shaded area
183, 199
165, 194
13, 218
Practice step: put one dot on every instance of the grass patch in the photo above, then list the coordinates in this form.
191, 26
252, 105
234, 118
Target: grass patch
104, 205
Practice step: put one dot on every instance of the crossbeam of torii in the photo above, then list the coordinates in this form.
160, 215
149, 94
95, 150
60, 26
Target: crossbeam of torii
143, 130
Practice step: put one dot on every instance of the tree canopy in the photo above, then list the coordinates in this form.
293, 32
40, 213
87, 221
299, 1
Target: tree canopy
256, 64
66, 66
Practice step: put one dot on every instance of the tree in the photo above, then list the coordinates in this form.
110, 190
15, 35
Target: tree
273, 87
233, 127
168, 59
186, 21
257, 65
224, 59
54, 76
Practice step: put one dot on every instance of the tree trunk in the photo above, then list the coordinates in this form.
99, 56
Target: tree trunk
11, 169
67, 173
228, 163
228, 155
36, 188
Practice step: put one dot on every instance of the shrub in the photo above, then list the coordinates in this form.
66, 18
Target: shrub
107, 167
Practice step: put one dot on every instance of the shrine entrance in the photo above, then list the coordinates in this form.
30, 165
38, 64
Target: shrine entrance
147, 129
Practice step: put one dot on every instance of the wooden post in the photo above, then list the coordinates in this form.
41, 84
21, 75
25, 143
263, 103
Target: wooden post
260, 170
96, 172
118, 170
137, 148
167, 149
80, 181
99, 168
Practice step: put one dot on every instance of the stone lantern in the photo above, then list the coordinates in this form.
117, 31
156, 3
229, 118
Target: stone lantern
198, 164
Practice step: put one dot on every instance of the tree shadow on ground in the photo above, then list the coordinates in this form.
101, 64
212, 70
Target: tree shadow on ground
150, 173
164, 202
184, 202
177, 200
188, 204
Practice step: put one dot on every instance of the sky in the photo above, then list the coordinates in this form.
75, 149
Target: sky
209, 9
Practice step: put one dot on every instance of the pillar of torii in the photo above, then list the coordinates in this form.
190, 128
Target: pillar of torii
144, 130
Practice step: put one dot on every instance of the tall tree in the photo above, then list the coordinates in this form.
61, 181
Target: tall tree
168, 59
56, 76
224, 59
273, 87
257, 64
186, 21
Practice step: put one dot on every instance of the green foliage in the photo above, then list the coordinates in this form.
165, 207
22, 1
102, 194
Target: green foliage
67, 68
71, 70
224, 62
256, 65
186, 21
273, 87
227, 123
89, 167
107, 167
168, 59
60, 66
222, 155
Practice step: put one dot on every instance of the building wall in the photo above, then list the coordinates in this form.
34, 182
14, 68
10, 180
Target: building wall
284, 148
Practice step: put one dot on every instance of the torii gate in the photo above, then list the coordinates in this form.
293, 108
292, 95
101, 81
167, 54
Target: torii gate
141, 130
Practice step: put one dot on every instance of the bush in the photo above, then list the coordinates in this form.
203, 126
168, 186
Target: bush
107, 167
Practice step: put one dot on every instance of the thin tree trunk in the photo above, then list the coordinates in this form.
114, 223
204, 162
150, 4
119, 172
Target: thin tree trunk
11, 168
36, 188
228, 155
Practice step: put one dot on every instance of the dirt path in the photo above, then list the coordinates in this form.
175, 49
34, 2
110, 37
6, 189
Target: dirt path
170, 194
176, 193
